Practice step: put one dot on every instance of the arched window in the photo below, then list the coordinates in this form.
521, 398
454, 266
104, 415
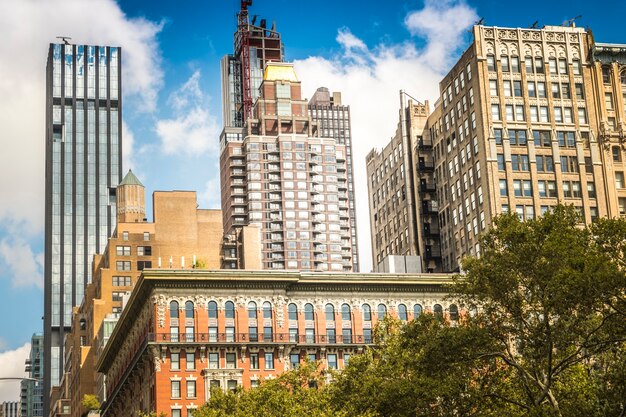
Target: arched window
438, 311
229, 310
293, 312
345, 312
308, 312
267, 310
189, 310
212, 310
367, 312
454, 312
417, 310
174, 310
402, 314
330, 312
382, 311
252, 310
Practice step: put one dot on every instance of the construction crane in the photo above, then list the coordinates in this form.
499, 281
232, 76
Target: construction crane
243, 30
572, 22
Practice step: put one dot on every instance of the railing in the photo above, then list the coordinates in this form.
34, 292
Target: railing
259, 338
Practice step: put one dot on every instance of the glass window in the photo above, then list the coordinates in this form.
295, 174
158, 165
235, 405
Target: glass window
308, 312
332, 360
189, 310
454, 312
254, 361
214, 360
269, 360
174, 310
504, 62
212, 310
229, 310
267, 310
331, 335
191, 389
417, 310
175, 389
402, 312
367, 312
231, 360
252, 310
345, 313
190, 360
438, 311
293, 312
175, 361
382, 311
329, 312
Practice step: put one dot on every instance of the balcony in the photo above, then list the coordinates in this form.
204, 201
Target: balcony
425, 143
431, 229
427, 186
424, 165
246, 338
237, 172
432, 252
430, 207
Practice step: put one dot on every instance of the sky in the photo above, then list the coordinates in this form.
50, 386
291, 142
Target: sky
367, 49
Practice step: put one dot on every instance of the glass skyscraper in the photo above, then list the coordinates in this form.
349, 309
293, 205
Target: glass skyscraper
83, 169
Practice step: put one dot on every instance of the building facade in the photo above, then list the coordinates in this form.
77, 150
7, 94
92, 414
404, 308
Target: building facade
527, 119
280, 175
10, 409
83, 167
32, 388
402, 194
181, 237
333, 121
185, 332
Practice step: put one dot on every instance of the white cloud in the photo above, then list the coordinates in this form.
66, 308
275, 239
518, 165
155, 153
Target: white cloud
12, 366
194, 130
370, 80
210, 197
25, 267
28, 27
128, 141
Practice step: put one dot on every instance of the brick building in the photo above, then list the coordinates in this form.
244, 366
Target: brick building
185, 331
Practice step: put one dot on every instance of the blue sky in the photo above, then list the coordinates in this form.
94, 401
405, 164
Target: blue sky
366, 49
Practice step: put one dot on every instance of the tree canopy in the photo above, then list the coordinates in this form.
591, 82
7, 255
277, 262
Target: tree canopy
542, 334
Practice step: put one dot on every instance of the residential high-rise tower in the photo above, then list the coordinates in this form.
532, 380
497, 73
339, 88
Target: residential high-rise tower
32, 388
83, 168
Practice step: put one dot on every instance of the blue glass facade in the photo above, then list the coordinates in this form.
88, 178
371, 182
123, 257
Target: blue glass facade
83, 168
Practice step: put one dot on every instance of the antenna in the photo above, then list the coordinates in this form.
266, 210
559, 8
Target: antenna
534, 25
571, 22
65, 39
480, 22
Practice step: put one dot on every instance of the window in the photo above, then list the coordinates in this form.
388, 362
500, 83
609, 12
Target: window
346, 335
125, 236
534, 115
558, 115
190, 360
123, 251
254, 361
212, 307
269, 360
621, 201
617, 154
517, 88
608, 101
332, 360
545, 163
541, 89
402, 312
517, 137
231, 360
532, 92
556, 92
214, 360
565, 91
189, 310
146, 236
501, 166
509, 112
294, 360
175, 389
552, 65
176, 412
267, 310
331, 335
566, 139
519, 162
508, 92
438, 311
345, 313
580, 92
229, 310
504, 63
308, 312
367, 312
569, 163
367, 335
543, 114
144, 250
542, 138
515, 64
591, 190
454, 312
267, 334
141, 265
309, 335
495, 112
522, 188
497, 134
493, 87
252, 310
417, 310
606, 75
292, 312
122, 265
329, 312
382, 311
619, 179
121, 281
253, 333
491, 63
503, 188
175, 361
576, 67
191, 389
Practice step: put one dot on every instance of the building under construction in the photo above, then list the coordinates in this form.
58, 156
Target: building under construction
242, 72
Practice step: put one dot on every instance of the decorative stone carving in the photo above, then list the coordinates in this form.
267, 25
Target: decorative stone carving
154, 354
159, 300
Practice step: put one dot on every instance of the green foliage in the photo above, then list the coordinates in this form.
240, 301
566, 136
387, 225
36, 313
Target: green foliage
90, 402
200, 264
545, 338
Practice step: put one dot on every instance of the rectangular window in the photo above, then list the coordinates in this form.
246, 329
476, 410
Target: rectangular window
190, 361
539, 65
515, 64
144, 250
175, 361
346, 335
608, 101
543, 114
491, 63
532, 92
517, 88
122, 265
504, 63
146, 236
528, 61
253, 334
562, 66
493, 87
508, 91
175, 389
331, 336
123, 251
619, 179
254, 361
332, 361
191, 389
214, 360
565, 91
141, 265
495, 112
558, 115
534, 114
509, 112
269, 360
119, 281
501, 165
580, 91
231, 360
503, 188
556, 92
582, 116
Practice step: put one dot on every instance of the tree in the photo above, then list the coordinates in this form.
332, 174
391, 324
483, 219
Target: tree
90, 402
292, 394
550, 292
